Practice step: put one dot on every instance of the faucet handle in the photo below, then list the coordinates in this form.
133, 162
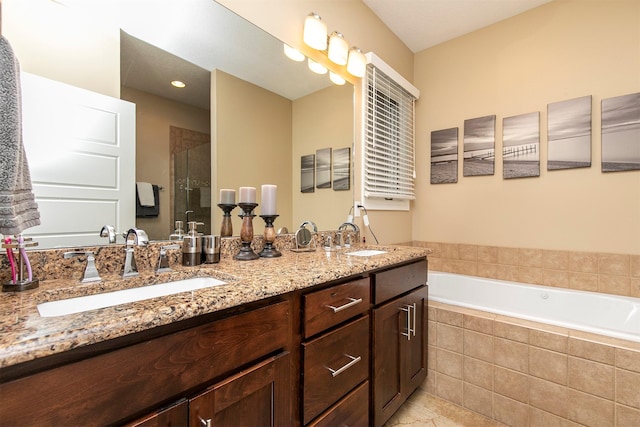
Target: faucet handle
90, 270
163, 261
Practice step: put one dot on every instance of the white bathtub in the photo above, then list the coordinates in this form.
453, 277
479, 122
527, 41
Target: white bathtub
604, 314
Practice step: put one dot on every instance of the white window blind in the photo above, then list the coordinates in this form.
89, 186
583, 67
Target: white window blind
389, 160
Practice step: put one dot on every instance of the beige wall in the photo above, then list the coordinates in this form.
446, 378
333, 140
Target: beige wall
559, 51
253, 145
63, 43
154, 116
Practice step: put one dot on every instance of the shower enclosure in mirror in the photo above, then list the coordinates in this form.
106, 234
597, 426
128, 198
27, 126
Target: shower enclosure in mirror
191, 177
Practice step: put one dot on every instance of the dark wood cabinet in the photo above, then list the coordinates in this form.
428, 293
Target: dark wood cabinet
399, 343
173, 416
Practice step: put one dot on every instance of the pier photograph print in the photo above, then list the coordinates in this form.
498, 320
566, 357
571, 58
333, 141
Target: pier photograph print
521, 146
479, 146
323, 168
569, 134
621, 133
444, 156
307, 173
342, 169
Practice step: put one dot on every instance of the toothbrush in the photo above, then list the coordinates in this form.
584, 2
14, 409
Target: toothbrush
11, 259
25, 258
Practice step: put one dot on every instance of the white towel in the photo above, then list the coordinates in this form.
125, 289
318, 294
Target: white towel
145, 194
18, 209
205, 197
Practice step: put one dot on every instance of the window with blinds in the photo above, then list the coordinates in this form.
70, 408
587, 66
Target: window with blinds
389, 160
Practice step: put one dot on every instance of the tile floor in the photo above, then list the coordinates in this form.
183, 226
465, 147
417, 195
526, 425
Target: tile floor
426, 410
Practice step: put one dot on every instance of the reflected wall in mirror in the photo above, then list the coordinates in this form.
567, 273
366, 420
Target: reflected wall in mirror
258, 124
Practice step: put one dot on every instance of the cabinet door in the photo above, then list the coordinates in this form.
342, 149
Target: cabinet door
257, 396
414, 369
175, 415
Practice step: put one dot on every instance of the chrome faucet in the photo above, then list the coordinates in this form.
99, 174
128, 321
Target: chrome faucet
90, 271
163, 261
110, 232
340, 235
134, 237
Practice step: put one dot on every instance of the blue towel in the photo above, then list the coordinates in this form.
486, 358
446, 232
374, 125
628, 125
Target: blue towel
18, 209
148, 211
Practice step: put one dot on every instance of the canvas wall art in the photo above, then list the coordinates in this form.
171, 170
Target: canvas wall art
444, 156
569, 134
342, 169
621, 133
479, 146
307, 173
323, 168
521, 146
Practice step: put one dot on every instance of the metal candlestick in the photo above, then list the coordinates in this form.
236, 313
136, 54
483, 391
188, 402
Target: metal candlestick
246, 232
226, 230
269, 251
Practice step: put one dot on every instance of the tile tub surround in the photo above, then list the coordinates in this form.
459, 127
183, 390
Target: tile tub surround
617, 274
523, 373
26, 336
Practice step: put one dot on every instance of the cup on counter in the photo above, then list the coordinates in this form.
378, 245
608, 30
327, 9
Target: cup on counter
211, 249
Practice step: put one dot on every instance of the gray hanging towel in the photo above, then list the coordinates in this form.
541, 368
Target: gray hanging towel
18, 209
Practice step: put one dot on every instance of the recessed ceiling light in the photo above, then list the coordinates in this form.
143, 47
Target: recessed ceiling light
178, 83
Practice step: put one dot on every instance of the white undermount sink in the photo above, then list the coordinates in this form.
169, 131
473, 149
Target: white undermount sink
110, 299
366, 252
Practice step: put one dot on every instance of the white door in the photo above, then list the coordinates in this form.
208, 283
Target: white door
80, 147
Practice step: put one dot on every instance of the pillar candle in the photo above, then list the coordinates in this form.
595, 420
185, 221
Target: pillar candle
247, 195
268, 199
227, 197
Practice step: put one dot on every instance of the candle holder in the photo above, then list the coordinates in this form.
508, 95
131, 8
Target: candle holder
269, 237
246, 233
226, 230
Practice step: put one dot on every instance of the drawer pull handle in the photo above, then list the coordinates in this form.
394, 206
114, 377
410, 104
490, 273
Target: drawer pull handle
205, 423
336, 372
410, 330
351, 303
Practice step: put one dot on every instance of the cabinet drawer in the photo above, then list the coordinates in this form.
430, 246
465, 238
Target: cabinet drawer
351, 411
334, 364
328, 307
391, 283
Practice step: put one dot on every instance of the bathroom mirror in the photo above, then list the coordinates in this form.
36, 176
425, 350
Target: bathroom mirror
244, 56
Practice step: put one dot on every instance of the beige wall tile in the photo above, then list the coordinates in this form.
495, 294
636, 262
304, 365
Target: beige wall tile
512, 384
626, 416
478, 324
488, 254
635, 266
468, 252
478, 345
431, 332
548, 396
468, 268
617, 285
436, 264
635, 287
592, 351
583, 262
548, 365
449, 388
508, 256
555, 260
590, 410
511, 354
628, 388
432, 352
507, 272
449, 337
538, 418
583, 281
510, 331
533, 275
449, 317
555, 278
478, 399
430, 382
614, 264
628, 359
449, 363
510, 412
549, 340
591, 377
450, 250
478, 372
487, 270
530, 257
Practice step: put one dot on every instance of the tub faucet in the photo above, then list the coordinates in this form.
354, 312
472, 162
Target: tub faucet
134, 237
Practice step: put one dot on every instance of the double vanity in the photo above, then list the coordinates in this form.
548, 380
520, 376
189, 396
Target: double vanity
311, 338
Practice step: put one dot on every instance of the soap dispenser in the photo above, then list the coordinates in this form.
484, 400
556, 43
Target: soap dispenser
178, 233
192, 245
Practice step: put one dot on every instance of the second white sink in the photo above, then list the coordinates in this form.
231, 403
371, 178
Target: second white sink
110, 299
367, 252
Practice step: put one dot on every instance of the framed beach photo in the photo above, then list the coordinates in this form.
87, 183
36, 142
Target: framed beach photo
444, 156
621, 133
569, 134
479, 153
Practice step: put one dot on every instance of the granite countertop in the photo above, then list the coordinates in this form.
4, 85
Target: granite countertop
25, 336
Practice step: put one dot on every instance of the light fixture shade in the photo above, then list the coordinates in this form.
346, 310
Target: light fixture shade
293, 54
338, 48
316, 67
357, 64
315, 32
336, 78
